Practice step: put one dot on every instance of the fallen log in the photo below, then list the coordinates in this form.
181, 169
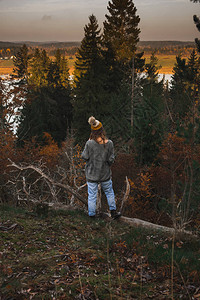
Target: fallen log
178, 233
138, 223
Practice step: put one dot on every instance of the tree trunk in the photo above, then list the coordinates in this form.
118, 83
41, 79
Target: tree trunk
132, 92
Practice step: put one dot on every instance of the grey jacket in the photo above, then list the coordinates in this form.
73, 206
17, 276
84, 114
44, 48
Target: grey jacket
99, 158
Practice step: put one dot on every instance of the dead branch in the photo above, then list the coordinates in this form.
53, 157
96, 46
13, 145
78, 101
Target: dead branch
127, 192
50, 180
78, 189
7, 228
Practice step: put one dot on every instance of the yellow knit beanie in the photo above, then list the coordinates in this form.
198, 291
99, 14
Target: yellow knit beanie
95, 124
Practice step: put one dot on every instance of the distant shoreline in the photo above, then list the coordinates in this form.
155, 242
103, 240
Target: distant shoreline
154, 44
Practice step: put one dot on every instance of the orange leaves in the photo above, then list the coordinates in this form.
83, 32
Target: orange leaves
121, 245
142, 186
50, 151
175, 151
7, 141
6, 269
33, 152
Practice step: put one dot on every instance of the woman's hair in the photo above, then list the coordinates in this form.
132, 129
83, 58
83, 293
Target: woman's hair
95, 134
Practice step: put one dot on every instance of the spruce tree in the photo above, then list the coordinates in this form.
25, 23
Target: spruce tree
58, 72
121, 32
39, 66
48, 106
184, 95
90, 82
197, 23
149, 120
185, 84
152, 69
120, 37
90, 49
21, 61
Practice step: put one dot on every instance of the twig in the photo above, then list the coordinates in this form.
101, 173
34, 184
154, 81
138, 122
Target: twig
126, 194
39, 171
108, 261
172, 269
183, 280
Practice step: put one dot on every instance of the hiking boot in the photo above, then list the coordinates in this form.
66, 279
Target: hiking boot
115, 214
92, 217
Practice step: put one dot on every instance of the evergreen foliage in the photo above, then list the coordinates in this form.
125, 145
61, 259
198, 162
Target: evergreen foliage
149, 118
184, 85
90, 50
117, 121
185, 96
121, 32
39, 67
120, 38
197, 23
90, 82
58, 75
48, 106
20, 61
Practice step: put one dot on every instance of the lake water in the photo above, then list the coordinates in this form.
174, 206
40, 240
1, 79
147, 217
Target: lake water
8, 84
167, 77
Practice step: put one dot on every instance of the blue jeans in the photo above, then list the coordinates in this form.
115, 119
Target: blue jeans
92, 195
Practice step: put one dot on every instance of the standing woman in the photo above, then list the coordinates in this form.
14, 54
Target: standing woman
99, 156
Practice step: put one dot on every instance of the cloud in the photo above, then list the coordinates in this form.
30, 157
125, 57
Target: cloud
46, 18
158, 2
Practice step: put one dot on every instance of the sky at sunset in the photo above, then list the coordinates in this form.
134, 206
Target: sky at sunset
64, 20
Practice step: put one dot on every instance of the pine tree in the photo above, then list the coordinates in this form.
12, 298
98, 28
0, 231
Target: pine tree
90, 49
152, 69
20, 61
185, 84
178, 94
90, 88
120, 37
121, 32
39, 66
184, 95
149, 120
48, 106
197, 23
58, 74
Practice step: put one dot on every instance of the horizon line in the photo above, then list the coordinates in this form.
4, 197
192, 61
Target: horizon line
76, 41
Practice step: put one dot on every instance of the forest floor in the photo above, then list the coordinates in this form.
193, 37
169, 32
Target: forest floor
66, 255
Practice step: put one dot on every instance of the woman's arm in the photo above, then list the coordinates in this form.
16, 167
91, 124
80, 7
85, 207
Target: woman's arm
85, 153
111, 155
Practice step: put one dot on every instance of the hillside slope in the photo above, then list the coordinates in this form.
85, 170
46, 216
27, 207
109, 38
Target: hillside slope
65, 255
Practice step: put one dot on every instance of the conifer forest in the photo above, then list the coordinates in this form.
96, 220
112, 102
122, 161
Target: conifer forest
49, 248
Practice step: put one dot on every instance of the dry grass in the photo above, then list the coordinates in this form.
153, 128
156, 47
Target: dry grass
5, 70
166, 61
65, 255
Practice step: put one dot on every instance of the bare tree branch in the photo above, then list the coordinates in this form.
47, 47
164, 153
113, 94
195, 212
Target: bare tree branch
50, 180
127, 192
